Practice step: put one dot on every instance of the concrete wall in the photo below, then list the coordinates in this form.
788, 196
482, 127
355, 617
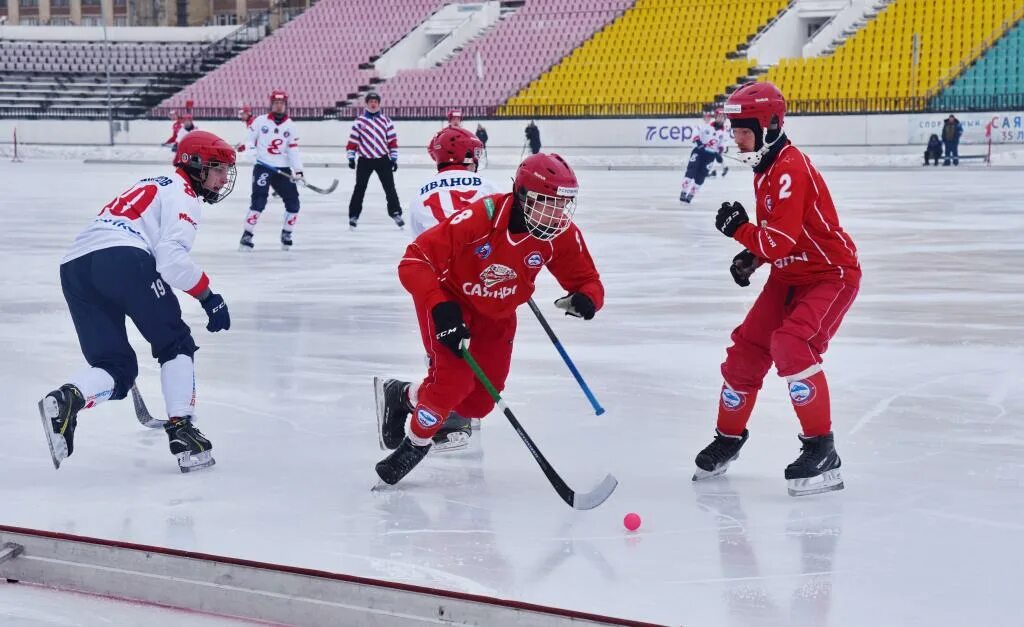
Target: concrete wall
826, 130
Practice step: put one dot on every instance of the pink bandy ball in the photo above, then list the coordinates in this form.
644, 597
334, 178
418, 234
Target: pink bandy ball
631, 521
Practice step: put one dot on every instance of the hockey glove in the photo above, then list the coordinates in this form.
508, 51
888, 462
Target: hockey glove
719, 158
449, 327
394, 165
577, 304
240, 148
298, 176
216, 311
731, 216
351, 164
743, 265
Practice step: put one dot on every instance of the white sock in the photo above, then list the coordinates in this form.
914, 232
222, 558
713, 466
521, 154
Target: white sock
250, 221
289, 220
687, 183
695, 189
178, 380
95, 384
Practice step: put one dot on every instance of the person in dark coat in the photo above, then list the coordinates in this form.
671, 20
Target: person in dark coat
533, 137
951, 132
934, 150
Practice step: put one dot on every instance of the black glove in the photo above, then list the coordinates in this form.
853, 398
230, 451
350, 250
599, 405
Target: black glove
449, 327
743, 265
730, 217
577, 304
394, 165
719, 158
351, 164
216, 311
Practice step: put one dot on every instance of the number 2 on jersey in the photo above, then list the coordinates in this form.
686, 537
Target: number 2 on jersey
456, 201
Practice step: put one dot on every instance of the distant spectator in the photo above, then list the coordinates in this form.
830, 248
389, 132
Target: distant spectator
934, 149
533, 137
481, 134
951, 132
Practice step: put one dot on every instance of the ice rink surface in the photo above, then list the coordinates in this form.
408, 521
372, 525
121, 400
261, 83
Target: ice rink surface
926, 377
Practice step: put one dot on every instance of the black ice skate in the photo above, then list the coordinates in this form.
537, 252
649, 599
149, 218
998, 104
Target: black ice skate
245, 244
59, 413
286, 240
393, 409
401, 461
352, 223
714, 460
454, 434
397, 217
817, 468
189, 445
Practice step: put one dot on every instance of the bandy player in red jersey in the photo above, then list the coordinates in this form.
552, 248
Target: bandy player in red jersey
467, 277
814, 279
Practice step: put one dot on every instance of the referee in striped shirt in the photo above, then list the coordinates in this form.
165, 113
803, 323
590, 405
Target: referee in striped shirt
373, 139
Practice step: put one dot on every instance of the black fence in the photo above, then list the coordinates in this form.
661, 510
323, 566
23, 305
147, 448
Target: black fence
940, 104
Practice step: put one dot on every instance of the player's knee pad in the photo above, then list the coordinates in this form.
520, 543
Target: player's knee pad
791, 354
184, 345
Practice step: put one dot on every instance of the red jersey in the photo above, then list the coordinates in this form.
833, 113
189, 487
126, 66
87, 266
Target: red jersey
472, 257
175, 128
797, 227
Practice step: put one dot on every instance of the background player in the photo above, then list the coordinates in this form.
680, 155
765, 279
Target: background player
707, 147
813, 282
456, 184
467, 276
125, 264
276, 141
374, 140
455, 118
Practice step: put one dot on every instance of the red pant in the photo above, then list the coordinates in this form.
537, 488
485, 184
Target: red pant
450, 384
789, 325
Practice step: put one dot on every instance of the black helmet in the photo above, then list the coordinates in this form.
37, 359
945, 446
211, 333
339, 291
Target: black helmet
372, 96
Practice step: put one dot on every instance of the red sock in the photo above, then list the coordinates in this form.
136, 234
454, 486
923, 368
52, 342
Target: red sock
811, 402
424, 424
734, 409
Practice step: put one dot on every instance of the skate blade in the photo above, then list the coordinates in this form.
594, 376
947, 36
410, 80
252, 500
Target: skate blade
378, 396
456, 441
700, 474
286, 246
191, 463
58, 445
828, 481
245, 249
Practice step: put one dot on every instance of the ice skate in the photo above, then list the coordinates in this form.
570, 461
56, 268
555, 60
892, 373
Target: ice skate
352, 223
401, 461
714, 460
286, 240
454, 434
817, 468
393, 409
245, 244
189, 445
397, 217
59, 413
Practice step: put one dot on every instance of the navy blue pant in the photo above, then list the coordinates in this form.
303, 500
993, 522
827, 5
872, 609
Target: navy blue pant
952, 151
697, 168
263, 178
104, 287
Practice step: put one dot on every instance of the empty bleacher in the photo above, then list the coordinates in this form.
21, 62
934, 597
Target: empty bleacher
660, 51
874, 70
999, 72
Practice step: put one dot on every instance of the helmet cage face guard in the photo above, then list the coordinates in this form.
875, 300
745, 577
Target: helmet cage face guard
546, 216
199, 172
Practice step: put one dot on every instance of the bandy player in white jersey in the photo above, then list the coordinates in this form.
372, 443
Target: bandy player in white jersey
275, 140
456, 152
124, 264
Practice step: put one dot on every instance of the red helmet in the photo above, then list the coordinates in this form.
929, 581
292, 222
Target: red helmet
197, 153
454, 113
455, 146
278, 94
760, 107
546, 187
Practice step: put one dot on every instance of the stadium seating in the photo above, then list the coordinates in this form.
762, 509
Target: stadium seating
315, 57
998, 72
514, 52
875, 66
660, 51
92, 57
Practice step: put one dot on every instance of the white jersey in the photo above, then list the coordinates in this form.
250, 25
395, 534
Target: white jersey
710, 138
445, 194
276, 144
159, 215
